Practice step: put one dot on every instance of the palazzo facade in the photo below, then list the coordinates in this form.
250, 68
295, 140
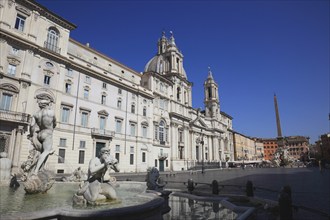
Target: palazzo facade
146, 119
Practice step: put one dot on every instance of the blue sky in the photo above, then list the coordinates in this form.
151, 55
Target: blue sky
254, 49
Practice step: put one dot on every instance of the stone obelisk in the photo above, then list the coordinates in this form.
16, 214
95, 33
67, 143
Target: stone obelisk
280, 141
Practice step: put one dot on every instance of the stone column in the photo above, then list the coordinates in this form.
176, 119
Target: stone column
18, 145
11, 146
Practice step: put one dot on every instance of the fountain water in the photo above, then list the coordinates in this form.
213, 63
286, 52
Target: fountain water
133, 203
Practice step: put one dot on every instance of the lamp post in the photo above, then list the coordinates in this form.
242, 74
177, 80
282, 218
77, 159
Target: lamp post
202, 144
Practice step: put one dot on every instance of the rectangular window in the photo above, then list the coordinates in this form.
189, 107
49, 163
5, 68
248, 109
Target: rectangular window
104, 85
118, 126
102, 122
20, 22
65, 114
81, 156
131, 159
119, 91
84, 119
62, 142
6, 100
119, 104
143, 157
181, 153
69, 72
180, 136
82, 144
86, 93
117, 155
88, 79
67, 88
144, 111
61, 155
46, 80
117, 148
11, 69
14, 51
103, 99
155, 162
144, 131
133, 109
132, 150
161, 104
132, 129
166, 162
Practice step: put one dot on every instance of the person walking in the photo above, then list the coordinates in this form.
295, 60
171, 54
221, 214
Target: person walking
320, 166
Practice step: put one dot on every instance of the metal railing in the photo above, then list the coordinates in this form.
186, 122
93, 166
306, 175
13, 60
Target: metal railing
52, 47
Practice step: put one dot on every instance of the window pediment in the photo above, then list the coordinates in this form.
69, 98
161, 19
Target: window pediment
13, 61
9, 87
67, 104
145, 123
85, 109
48, 72
119, 118
23, 10
103, 112
69, 81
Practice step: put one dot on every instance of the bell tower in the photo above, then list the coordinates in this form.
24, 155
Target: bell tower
211, 97
162, 44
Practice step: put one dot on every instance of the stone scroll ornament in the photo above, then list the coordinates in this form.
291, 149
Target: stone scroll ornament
36, 178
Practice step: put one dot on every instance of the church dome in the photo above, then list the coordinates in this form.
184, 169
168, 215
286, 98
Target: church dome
156, 64
168, 58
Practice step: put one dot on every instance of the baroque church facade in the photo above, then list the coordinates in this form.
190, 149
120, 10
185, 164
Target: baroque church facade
146, 119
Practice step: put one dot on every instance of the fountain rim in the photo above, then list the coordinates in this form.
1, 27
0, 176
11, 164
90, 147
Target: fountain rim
148, 208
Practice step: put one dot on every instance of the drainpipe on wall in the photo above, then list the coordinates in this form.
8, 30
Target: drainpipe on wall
75, 114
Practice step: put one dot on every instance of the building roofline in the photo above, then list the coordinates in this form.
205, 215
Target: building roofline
47, 13
104, 56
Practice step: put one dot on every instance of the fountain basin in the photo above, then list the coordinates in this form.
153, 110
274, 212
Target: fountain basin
203, 206
135, 203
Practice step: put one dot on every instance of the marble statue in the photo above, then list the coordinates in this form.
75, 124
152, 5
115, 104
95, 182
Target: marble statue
77, 176
5, 168
36, 178
98, 190
41, 133
154, 182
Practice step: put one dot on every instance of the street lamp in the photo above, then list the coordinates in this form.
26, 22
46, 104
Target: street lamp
202, 144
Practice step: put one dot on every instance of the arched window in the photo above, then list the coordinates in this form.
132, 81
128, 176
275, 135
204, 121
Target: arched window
52, 39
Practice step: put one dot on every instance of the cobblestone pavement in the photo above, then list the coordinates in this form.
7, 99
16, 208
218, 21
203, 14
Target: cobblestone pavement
310, 188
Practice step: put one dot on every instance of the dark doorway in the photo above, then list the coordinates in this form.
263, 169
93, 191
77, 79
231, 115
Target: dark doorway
99, 145
161, 165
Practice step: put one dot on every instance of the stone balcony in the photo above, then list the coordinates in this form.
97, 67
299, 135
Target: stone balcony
102, 133
16, 117
162, 156
52, 47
